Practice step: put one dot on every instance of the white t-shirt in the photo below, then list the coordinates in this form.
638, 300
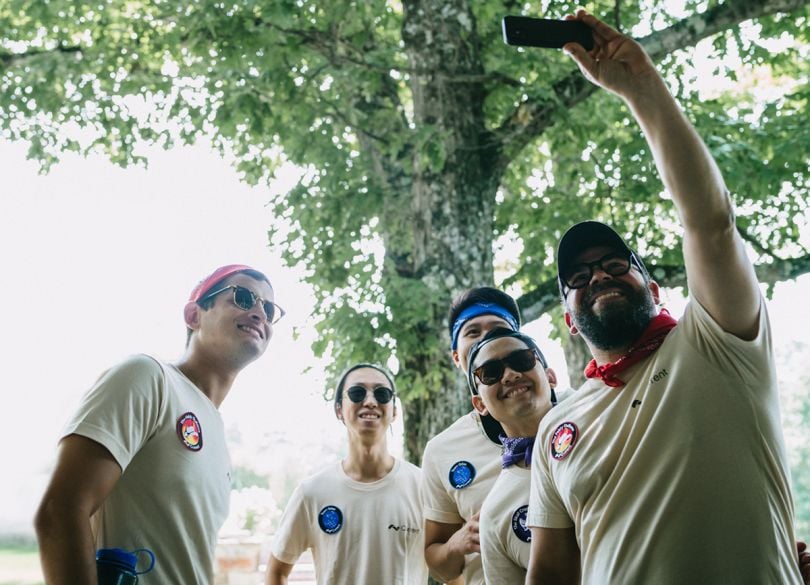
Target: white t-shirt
359, 533
505, 537
459, 467
169, 440
681, 475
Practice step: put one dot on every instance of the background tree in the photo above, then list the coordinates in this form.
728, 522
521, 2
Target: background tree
426, 143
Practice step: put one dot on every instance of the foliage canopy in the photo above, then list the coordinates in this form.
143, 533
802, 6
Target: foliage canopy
427, 145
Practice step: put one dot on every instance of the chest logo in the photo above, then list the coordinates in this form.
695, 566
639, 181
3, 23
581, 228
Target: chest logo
330, 519
563, 440
190, 431
462, 474
519, 524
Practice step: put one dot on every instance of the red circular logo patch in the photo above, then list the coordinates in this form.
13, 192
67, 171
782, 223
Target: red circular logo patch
563, 440
190, 431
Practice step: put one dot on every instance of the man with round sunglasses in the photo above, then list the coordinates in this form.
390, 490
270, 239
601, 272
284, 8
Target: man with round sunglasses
460, 464
143, 462
361, 517
510, 381
668, 466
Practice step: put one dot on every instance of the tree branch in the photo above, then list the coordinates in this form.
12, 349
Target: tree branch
530, 119
11, 59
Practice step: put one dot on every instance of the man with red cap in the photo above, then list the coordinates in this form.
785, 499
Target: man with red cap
668, 465
143, 462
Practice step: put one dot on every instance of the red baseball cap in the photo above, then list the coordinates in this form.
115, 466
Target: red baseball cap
221, 273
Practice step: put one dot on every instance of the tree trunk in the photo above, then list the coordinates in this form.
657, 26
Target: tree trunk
577, 356
445, 246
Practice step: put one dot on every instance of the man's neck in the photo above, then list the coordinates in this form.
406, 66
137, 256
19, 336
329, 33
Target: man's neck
525, 426
211, 378
368, 462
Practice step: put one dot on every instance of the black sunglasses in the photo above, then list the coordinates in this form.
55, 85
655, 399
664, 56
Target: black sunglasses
245, 299
614, 264
520, 360
382, 395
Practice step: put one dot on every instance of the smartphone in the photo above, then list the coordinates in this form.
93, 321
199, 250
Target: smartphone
523, 31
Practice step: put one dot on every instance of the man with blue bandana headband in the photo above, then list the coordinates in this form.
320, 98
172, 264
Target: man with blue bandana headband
460, 464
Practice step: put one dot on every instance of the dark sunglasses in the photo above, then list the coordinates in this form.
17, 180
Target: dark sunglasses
382, 395
614, 264
245, 300
520, 360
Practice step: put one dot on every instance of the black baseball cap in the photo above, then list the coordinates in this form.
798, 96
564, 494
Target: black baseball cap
588, 234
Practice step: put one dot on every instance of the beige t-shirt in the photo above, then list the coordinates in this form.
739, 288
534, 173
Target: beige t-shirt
169, 440
681, 475
358, 532
459, 467
504, 535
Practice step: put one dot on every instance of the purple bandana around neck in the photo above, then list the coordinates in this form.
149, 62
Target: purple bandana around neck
516, 449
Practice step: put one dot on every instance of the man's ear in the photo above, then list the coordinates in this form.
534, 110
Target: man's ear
191, 314
569, 322
552, 377
456, 359
655, 290
478, 405
338, 414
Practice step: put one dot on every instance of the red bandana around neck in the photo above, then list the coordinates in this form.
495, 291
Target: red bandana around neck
650, 340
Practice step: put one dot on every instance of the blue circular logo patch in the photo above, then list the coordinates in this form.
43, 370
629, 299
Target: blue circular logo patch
330, 519
462, 474
519, 524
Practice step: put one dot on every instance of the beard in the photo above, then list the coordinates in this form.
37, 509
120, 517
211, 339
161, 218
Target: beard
619, 324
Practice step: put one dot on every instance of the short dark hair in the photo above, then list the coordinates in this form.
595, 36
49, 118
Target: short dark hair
342, 380
481, 294
206, 304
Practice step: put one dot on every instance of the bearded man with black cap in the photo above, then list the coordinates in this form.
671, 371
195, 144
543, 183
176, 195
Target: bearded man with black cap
143, 462
668, 466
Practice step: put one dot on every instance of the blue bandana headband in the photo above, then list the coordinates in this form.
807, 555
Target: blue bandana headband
477, 310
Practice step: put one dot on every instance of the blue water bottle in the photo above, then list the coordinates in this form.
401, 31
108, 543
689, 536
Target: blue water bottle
115, 566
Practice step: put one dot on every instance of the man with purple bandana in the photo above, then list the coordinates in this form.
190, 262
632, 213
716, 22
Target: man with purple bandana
143, 462
510, 380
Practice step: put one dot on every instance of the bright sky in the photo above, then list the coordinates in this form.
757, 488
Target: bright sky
97, 264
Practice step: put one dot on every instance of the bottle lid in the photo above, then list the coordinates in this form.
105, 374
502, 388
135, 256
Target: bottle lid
118, 556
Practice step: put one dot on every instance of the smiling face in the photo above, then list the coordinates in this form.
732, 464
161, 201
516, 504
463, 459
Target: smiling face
518, 400
367, 418
610, 312
227, 331
472, 331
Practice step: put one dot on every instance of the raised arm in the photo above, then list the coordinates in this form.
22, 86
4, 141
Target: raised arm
85, 475
720, 275
447, 544
554, 557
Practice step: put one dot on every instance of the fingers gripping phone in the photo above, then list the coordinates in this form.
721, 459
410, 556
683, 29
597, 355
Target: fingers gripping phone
523, 31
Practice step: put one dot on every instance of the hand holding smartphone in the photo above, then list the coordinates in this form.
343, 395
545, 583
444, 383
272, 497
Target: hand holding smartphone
523, 31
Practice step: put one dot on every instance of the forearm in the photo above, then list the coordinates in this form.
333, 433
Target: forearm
278, 572
684, 162
276, 579
65, 546
444, 561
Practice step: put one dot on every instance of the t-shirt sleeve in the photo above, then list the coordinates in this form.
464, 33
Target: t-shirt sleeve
546, 507
437, 504
292, 536
748, 361
122, 410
